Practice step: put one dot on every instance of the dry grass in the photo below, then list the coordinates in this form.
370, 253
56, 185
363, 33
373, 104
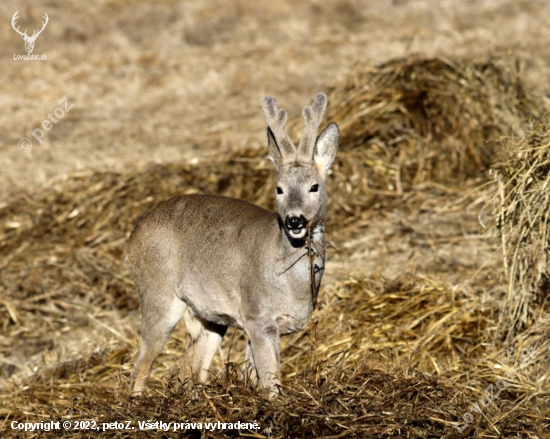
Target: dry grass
373, 337
171, 81
342, 400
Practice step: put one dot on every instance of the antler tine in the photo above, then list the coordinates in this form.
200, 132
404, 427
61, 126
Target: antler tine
276, 119
13, 20
312, 119
43, 24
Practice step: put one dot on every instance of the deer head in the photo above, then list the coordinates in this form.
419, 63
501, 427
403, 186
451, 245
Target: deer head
29, 41
301, 195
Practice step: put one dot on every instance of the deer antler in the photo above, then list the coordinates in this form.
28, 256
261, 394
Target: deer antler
15, 17
312, 119
36, 33
276, 119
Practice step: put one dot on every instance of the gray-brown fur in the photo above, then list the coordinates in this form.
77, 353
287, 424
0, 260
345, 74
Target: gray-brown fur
217, 262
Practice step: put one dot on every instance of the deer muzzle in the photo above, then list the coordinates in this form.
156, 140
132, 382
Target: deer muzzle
296, 226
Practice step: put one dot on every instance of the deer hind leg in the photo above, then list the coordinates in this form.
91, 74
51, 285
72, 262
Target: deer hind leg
205, 340
160, 314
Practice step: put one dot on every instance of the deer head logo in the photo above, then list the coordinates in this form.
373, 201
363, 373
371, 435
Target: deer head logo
29, 41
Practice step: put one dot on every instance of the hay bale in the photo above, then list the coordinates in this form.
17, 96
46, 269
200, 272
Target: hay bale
430, 119
523, 211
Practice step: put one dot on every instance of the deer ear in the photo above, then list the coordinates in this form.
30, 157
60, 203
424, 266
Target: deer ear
326, 147
274, 152
22, 37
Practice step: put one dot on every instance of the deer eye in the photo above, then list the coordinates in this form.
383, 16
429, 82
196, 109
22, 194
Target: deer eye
279, 191
314, 188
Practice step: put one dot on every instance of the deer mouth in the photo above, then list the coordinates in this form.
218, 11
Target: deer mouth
297, 233
296, 226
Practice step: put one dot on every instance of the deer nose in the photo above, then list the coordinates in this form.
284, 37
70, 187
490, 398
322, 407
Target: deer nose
295, 222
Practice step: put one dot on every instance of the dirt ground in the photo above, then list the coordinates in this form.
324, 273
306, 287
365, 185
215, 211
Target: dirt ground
166, 100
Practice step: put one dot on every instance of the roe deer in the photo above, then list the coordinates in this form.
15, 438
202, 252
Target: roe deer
218, 262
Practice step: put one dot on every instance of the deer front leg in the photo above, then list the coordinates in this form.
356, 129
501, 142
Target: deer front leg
248, 369
264, 343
